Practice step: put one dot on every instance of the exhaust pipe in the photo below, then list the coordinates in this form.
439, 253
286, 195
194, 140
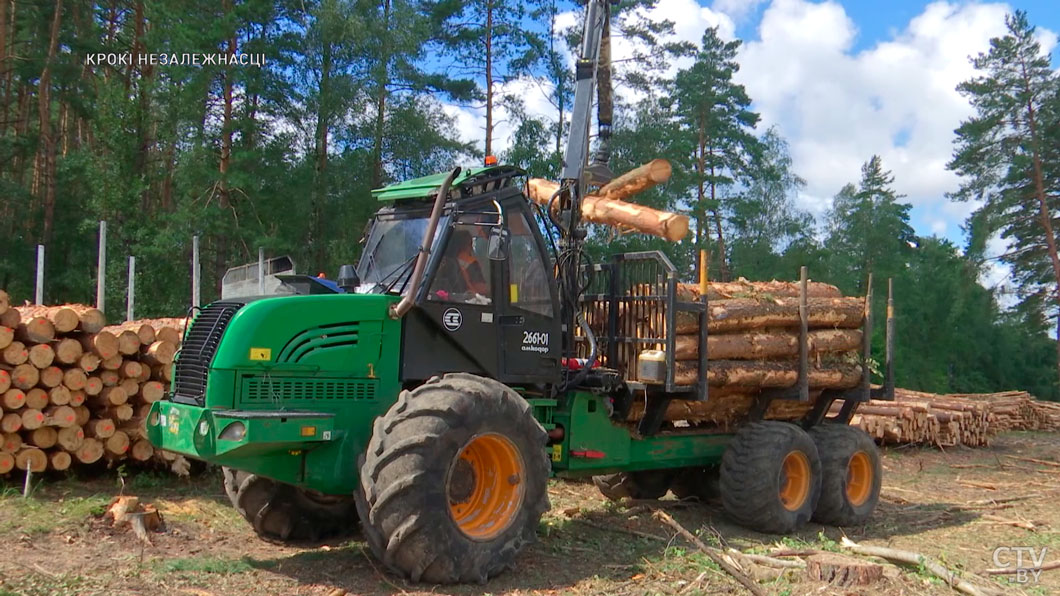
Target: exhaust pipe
398, 310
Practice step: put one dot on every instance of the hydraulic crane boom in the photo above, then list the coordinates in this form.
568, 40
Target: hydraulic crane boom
577, 175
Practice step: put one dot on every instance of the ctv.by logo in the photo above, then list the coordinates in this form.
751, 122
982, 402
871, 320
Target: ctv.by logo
1028, 561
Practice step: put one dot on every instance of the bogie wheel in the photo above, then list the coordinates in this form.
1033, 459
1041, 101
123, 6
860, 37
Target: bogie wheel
454, 480
284, 513
851, 474
771, 477
647, 484
696, 483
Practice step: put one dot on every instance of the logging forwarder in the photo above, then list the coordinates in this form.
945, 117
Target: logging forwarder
432, 415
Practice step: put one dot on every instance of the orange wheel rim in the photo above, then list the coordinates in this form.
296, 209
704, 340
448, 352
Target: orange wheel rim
485, 486
859, 478
794, 480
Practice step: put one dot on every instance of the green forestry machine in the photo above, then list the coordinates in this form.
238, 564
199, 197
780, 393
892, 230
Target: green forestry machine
472, 354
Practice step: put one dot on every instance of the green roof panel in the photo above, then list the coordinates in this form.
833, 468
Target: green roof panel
419, 188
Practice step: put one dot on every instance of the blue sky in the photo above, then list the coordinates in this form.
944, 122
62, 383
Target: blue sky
843, 80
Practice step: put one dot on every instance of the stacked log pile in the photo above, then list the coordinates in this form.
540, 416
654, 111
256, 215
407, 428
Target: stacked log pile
753, 335
74, 391
1049, 413
753, 344
919, 418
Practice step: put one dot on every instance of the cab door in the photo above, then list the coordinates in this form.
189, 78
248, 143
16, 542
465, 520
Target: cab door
529, 323
454, 327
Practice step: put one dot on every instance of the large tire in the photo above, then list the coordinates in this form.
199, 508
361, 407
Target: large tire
771, 477
283, 513
434, 460
700, 483
649, 484
851, 474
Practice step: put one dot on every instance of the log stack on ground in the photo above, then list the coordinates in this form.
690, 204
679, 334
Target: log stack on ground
945, 420
74, 392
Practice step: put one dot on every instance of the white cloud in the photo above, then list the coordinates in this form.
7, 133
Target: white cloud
838, 106
690, 20
471, 121
737, 9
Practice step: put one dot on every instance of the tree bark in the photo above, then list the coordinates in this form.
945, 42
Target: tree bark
754, 346
47, 142
764, 290
767, 374
636, 180
671, 226
742, 314
1044, 212
487, 40
382, 75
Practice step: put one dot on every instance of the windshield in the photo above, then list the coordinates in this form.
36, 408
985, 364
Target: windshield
391, 250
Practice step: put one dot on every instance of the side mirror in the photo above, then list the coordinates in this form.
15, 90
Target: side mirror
498, 244
348, 279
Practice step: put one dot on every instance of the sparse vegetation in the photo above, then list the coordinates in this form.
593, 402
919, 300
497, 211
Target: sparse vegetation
586, 545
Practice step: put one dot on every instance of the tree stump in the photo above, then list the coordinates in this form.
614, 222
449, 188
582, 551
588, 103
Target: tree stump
842, 571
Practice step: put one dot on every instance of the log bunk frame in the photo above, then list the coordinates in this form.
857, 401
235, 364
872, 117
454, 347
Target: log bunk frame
612, 290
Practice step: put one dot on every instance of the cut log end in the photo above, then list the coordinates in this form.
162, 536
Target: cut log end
842, 571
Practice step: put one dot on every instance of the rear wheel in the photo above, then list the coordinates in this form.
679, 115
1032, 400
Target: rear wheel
283, 513
771, 477
851, 474
648, 484
454, 480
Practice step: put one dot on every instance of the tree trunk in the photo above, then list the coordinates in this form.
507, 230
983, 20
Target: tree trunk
753, 346
382, 74
767, 374
488, 43
47, 142
636, 180
1044, 212
316, 241
663, 224
743, 314
764, 290
722, 259
700, 192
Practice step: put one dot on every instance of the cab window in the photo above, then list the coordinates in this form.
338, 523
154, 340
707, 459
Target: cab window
463, 274
529, 289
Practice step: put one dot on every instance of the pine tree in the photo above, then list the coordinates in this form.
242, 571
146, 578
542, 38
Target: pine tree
868, 229
763, 216
1006, 156
715, 112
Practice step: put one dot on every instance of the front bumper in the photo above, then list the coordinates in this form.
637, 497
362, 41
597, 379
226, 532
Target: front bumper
219, 436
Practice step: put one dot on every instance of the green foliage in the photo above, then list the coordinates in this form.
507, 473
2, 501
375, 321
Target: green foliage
1009, 162
356, 94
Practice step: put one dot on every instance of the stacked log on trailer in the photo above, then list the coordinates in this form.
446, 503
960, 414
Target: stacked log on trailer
74, 391
753, 345
943, 420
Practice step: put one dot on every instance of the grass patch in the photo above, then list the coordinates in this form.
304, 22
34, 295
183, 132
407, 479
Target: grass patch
38, 584
215, 565
35, 516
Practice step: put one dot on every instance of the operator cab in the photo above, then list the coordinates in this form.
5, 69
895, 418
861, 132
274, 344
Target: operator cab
488, 303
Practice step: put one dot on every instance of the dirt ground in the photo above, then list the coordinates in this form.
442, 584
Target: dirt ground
947, 505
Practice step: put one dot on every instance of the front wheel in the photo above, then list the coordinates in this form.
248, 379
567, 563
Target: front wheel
284, 513
454, 480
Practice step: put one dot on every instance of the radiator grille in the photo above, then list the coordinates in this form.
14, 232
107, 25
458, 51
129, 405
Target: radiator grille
198, 349
257, 389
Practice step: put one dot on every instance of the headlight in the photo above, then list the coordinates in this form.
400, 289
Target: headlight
233, 432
